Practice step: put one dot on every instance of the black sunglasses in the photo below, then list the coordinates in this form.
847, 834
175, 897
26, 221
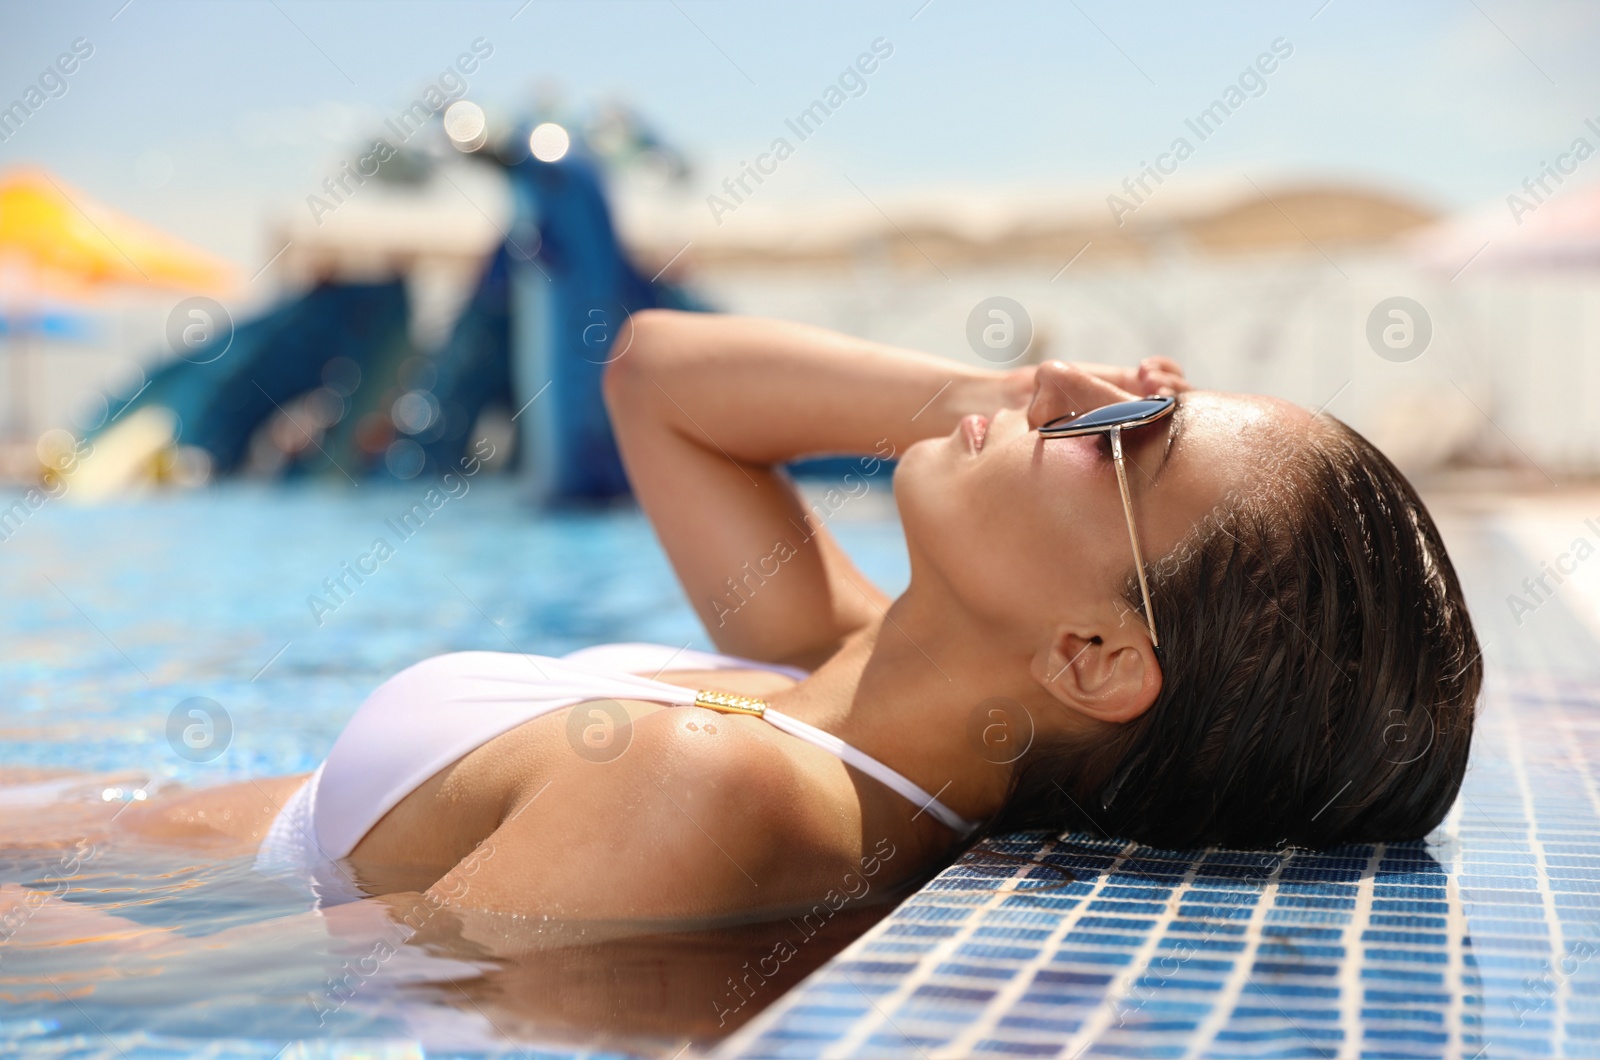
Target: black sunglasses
1112, 419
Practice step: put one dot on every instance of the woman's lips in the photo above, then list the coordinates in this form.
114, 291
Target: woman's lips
974, 429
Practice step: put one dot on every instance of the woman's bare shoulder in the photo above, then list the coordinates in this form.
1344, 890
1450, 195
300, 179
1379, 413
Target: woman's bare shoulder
701, 815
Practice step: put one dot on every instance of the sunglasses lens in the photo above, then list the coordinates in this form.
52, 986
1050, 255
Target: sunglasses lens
1111, 415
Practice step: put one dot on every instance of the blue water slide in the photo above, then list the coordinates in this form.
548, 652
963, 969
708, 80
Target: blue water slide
221, 392
535, 337
473, 369
573, 286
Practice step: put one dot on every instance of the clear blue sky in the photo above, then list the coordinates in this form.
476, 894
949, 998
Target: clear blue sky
1454, 102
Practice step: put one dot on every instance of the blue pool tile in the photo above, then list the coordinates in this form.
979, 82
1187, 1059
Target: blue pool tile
1409, 975
1375, 1013
1411, 938
1190, 911
1408, 920
1058, 1025
1280, 1034
1315, 901
952, 994
1416, 956
1050, 975
1143, 1049
1287, 968
1099, 938
1299, 991
1278, 1013
997, 953
975, 971
1079, 956
991, 1046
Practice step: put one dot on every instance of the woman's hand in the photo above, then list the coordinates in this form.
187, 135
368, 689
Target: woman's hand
1154, 377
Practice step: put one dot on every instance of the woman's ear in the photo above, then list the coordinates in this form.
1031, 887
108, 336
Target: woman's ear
1112, 676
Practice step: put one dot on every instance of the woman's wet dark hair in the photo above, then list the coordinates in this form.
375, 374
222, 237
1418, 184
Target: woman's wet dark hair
1320, 675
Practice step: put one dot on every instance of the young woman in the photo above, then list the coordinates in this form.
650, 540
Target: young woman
1135, 609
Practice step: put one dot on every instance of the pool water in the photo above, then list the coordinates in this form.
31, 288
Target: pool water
123, 620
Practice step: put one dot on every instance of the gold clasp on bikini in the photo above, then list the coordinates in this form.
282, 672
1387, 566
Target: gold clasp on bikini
728, 703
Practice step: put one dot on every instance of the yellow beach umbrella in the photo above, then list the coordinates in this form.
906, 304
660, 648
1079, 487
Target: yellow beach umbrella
65, 242
56, 242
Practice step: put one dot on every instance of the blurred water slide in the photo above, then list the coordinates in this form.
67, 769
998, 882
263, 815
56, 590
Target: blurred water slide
572, 290
572, 286
294, 368
332, 381
471, 374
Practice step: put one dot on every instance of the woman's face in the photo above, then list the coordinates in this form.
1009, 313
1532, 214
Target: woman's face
1028, 532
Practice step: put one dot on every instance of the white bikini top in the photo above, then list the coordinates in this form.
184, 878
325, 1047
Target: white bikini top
433, 713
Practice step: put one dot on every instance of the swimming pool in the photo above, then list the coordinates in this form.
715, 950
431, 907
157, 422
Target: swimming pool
123, 620
1483, 942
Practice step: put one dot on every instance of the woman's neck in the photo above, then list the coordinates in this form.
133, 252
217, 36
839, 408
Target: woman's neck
907, 690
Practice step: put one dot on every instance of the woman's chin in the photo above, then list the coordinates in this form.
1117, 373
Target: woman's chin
920, 481
919, 461
931, 455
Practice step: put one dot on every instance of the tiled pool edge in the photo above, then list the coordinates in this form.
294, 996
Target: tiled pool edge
973, 965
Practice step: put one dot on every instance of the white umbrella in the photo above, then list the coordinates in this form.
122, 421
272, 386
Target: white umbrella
1525, 230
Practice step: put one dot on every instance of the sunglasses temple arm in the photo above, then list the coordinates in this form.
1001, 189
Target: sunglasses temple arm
1133, 535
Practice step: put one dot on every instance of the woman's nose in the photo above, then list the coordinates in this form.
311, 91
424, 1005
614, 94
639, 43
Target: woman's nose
1061, 390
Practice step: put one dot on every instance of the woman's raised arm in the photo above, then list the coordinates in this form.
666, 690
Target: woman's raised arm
705, 406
